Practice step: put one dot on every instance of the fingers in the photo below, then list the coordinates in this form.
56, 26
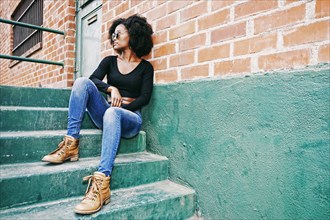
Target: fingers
116, 102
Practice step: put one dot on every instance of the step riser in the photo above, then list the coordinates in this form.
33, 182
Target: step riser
181, 208
36, 97
27, 96
32, 149
29, 120
53, 186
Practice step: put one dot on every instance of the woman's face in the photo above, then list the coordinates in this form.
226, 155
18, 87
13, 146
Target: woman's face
120, 38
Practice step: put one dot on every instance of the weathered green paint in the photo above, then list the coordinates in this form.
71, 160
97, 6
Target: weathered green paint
28, 183
30, 123
34, 97
253, 147
159, 200
32, 146
32, 119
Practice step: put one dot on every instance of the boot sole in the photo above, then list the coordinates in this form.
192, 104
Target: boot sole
92, 211
72, 159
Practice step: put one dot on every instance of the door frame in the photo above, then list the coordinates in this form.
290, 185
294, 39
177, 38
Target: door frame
80, 5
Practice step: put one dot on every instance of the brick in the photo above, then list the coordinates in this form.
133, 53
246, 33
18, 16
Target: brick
279, 19
159, 37
182, 30
135, 2
322, 8
166, 22
289, 59
166, 76
166, 49
213, 53
182, 59
255, 44
253, 7
145, 6
193, 11
216, 4
121, 8
176, 5
232, 67
214, 19
228, 32
324, 53
315, 32
195, 72
156, 13
192, 42
159, 64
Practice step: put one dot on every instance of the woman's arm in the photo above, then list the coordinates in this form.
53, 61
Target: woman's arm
146, 90
99, 74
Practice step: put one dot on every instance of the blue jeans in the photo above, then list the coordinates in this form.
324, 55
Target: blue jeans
115, 122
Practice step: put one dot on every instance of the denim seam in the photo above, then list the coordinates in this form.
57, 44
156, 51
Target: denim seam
114, 150
83, 112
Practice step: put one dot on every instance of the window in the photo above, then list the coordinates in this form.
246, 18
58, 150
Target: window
27, 40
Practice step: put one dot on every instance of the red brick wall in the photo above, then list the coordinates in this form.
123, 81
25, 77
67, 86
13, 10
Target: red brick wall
59, 15
193, 39
199, 39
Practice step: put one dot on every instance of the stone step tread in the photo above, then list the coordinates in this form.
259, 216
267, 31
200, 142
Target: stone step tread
38, 168
31, 146
44, 133
137, 199
20, 118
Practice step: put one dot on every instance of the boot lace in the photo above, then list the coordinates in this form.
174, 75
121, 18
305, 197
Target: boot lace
60, 150
92, 192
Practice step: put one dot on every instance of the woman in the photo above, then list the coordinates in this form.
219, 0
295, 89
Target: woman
130, 83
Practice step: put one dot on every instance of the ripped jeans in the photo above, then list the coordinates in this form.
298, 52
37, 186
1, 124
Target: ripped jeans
115, 122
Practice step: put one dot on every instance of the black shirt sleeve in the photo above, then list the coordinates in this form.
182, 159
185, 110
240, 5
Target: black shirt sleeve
146, 90
99, 74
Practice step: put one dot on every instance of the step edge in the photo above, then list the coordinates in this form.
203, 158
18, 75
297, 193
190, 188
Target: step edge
186, 191
31, 108
46, 133
87, 163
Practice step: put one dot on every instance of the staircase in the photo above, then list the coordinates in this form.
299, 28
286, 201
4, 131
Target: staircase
32, 122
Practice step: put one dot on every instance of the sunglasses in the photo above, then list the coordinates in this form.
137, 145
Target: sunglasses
116, 35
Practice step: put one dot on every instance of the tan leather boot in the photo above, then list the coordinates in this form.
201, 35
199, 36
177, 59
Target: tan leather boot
67, 149
96, 195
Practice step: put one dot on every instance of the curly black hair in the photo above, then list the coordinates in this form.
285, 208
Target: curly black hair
140, 32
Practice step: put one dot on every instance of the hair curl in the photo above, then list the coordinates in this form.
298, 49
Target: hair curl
139, 31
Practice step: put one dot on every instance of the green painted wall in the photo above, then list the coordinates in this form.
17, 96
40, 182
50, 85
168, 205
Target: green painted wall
254, 147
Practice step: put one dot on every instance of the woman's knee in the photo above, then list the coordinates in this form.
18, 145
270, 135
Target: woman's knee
82, 81
81, 84
111, 113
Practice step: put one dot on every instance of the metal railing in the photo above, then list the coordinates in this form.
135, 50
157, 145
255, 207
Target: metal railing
3, 56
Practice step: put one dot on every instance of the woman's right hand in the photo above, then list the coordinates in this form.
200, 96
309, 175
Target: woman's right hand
116, 99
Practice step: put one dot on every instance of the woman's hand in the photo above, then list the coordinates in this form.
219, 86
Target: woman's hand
116, 99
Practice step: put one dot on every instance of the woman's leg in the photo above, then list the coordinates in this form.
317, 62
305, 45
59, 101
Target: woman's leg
117, 123
84, 94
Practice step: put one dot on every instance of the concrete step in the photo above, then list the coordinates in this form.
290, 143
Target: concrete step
31, 146
159, 200
35, 97
28, 96
27, 183
18, 118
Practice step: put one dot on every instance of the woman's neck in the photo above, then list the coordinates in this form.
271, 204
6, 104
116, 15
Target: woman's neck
129, 56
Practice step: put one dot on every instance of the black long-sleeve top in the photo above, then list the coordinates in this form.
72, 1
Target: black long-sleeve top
136, 84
